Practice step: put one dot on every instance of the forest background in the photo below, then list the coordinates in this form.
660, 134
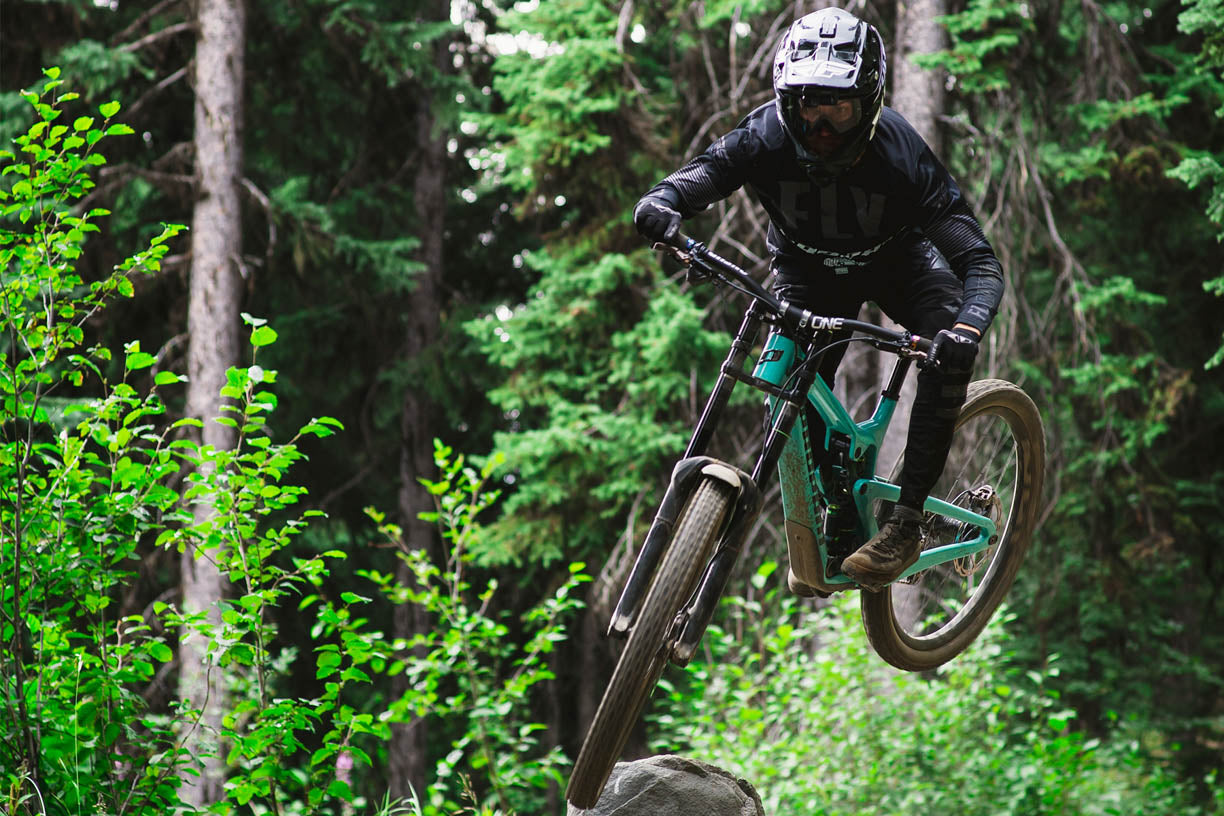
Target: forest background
413, 224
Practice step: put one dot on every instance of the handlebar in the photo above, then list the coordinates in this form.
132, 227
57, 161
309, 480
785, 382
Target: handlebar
798, 320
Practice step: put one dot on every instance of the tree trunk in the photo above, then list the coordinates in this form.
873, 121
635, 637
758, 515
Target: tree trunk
918, 95
409, 755
212, 322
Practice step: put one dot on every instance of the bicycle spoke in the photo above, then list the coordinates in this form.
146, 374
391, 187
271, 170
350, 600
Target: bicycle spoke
990, 471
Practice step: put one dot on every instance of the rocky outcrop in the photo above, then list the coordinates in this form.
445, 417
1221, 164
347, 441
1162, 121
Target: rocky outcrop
673, 786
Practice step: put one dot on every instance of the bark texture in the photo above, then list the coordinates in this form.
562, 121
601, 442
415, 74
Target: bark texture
409, 756
212, 322
918, 94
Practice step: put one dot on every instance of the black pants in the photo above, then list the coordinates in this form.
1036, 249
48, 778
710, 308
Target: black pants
915, 287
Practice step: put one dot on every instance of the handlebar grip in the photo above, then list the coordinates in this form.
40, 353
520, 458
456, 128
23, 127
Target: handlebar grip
678, 240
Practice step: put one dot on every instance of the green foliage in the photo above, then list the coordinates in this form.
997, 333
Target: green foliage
720, 12
321, 236
469, 672
87, 64
1073, 146
1206, 18
337, 250
96, 67
396, 47
1122, 415
248, 537
78, 496
984, 35
103, 482
1205, 169
570, 116
833, 730
600, 359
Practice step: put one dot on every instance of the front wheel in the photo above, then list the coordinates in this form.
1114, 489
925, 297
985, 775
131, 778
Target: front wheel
649, 646
996, 467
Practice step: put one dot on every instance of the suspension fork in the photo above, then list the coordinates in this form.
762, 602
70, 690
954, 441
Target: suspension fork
741, 345
696, 616
684, 477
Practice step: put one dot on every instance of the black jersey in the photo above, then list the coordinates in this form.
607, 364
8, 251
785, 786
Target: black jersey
897, 188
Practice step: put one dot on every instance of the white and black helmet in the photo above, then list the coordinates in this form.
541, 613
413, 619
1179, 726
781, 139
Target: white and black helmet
827, 57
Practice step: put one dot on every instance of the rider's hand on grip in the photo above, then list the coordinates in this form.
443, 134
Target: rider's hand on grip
954, 350
655, 221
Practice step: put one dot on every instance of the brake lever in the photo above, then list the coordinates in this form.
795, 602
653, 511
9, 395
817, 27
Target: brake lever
925, 359
694, 274
680, 255
910, 351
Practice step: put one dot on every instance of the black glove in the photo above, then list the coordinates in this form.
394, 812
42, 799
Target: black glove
656, 222
954, 350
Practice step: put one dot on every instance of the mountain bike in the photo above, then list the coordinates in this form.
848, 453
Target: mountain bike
977, 523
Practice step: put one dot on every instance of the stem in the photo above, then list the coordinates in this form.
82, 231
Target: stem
252, 575
18, 643
482, 733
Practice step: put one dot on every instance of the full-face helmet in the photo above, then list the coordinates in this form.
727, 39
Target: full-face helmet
829, 84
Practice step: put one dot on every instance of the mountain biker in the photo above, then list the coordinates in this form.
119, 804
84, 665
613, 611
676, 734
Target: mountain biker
860, 209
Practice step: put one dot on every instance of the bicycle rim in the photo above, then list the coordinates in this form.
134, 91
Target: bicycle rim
647, 651
995, 467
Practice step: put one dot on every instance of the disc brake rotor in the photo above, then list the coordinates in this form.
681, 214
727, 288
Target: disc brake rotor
984, 501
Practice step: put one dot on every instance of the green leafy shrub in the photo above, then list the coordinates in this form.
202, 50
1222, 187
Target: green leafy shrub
91, 483
82, 483
803, 709
94, 476
468, 674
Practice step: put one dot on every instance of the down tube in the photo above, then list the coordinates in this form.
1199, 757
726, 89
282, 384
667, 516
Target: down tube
776, 363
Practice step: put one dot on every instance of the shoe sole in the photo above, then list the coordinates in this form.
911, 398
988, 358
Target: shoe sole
875, 581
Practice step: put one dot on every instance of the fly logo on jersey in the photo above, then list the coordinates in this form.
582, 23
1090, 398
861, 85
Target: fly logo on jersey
832, 212
811, 215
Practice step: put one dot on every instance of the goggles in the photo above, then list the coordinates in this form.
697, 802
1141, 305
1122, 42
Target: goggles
840, 116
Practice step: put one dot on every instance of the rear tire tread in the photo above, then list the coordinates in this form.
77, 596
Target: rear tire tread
1009, 402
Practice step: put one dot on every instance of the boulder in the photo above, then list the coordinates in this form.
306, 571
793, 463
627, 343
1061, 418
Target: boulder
673, 786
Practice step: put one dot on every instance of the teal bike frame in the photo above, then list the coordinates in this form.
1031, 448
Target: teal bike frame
806, 495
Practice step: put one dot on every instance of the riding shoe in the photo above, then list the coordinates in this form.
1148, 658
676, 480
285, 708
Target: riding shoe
891, 552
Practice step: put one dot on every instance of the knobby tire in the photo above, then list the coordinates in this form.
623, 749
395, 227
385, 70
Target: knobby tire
999, 430
647, 652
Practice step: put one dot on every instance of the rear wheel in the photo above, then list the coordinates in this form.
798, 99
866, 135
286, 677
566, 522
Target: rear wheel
995, 467
649, 646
